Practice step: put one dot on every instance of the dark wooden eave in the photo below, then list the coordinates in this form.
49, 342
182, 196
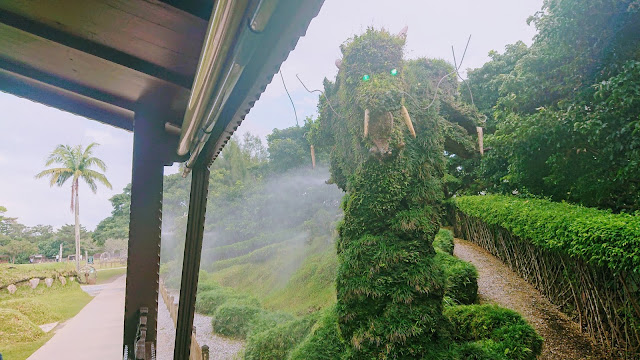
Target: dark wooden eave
101, 53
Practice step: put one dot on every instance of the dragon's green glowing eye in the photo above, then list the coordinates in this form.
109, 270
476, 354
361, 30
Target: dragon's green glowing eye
394, 72
366, 78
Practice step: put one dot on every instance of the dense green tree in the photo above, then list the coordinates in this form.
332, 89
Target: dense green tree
565, 115
75, 163
115, 226
288, 148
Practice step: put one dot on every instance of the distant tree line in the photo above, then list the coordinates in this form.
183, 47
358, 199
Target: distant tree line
563, 115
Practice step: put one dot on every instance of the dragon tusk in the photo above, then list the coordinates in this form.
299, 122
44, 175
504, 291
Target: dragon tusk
366, 123
480, 140
407, 121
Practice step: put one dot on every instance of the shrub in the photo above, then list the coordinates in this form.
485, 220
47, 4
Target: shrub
324, 342
499, 331
461, 284
595, 236
208, 302
276, 343
444, 241
16, 327
233, 319
266, 320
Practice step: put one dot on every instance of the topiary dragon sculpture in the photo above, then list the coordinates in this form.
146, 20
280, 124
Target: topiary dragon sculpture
386, 123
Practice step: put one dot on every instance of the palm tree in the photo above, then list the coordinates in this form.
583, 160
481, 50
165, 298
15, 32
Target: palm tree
75, 164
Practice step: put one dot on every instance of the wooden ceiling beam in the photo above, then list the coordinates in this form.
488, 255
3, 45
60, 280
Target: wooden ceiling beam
95, 49
65, 100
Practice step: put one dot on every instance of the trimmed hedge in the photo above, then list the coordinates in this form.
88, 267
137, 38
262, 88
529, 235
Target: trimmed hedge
209, 301
595, 236
444, 241
461, 284
234, 319
584, 260
499, 331
277, 343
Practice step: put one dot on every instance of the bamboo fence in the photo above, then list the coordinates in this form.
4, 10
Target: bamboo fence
603, 303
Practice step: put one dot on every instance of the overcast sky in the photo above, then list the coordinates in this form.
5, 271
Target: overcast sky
30, 131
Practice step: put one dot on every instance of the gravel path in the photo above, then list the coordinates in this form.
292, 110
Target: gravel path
498, 284
220, 348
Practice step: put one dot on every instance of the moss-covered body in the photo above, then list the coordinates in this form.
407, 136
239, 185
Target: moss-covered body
389, 287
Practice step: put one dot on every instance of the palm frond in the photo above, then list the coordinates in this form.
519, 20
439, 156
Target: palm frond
94, 175
95, 161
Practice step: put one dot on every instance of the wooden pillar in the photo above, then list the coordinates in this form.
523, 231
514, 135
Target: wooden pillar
153, 148
191, 260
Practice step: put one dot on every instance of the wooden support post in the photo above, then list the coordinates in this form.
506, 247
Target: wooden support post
191, 260
153, 148
313, 157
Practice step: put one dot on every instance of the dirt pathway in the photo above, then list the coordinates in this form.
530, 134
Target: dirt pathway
498, 284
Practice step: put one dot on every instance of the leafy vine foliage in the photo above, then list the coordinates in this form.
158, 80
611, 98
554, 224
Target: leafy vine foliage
564, 113
389, 288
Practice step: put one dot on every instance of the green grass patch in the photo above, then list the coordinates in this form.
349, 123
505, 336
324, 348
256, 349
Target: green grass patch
21, 351
11, 274
108, 275
36, 307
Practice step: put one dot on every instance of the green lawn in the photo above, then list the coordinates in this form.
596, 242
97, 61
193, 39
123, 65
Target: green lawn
36, 307
108, 275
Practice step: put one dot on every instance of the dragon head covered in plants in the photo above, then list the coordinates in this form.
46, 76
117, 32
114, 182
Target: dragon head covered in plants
386, 123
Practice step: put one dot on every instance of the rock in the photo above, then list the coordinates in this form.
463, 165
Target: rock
72, 278
12, 289
34, 283
49, 282
63, 280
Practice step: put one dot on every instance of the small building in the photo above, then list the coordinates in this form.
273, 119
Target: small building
36, 259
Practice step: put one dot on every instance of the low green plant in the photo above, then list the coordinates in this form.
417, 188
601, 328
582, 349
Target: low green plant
208, 302
234, 319
497, 330
324, 341
461, 284
444, 241
277, 342
266, 320
595, 236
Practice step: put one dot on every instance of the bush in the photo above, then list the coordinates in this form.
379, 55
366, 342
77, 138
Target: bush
496, 330
16, 327
266, 320
595, 236
324, 342
461, 285
444, 241
234, 319
277, 342
209, 301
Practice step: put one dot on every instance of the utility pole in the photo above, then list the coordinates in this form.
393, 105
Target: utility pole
60, 253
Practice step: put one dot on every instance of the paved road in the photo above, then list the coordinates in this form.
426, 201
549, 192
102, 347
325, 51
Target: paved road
95, 333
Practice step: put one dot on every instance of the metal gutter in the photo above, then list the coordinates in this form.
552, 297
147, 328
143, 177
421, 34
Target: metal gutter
222, 29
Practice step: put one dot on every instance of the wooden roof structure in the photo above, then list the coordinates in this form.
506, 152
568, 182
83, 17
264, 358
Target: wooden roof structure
181, 75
